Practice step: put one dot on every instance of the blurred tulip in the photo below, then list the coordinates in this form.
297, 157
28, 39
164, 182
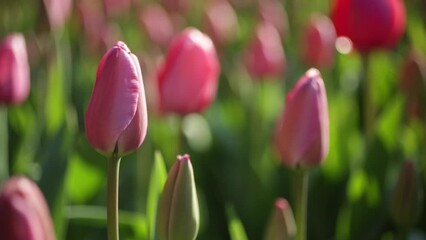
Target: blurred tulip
177, 6
188, 77
407, 200
14, 70
116, 117
157, 24
221, 21
302, 133
281, 225
265, 55
273, 12
413, 75
370, 24
24, 212
318, 48
58, 11
116, 7
178, 213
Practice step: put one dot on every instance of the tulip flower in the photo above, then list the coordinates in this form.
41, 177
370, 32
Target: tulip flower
413, 75
58, 11
302, 133
264, 56
318, 42
178, 213
273, 12
281, 224
116, 117
370, 24
407, 200
24, 212
221, 22
14, 70
116, 7
157, 24
188, 77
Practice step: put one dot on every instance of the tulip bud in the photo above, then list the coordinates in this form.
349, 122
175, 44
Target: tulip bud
157, 24
273, 12
221, 22
370, 24
265, 55
407, 200
302, 133
188, 78
413, 75
14, 70
116, 117
58, 11
178, 213
281, 225
318, 42
24, 212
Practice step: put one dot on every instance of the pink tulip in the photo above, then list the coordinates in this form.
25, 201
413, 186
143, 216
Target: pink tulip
318, 42
157, 24
221, 21
264, 56
14, 70
302, 134
273, 12
24, 212
116, 117
188, 77
116, 7
58, 11
370, 24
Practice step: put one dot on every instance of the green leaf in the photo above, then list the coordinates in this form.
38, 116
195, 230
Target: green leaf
235, 226
156, 183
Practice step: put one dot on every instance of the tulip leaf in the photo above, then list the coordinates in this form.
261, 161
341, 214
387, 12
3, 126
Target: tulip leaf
156, 183
235, 226
388, 125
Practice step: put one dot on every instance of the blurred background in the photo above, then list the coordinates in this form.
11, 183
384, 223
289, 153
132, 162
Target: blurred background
237, 170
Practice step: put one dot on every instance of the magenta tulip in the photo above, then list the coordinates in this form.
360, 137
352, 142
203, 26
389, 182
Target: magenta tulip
116, 117
188, 77
318, 42
24, 212
302, 133
58, 11
14, 70
370, 24
264, 56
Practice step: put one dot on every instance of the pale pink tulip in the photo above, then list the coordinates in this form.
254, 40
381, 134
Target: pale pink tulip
302, 133
116, 117
264, 56
157, 24
58, 11
318, 48
24, 212
221, 21
188, 77
14, 70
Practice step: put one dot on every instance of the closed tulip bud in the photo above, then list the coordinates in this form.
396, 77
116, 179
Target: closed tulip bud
281, 225
188, 77
221, 22
318, 42
370, 24
24, 212
407, 200
14, 70
413, 75
58, 11
264, 56
178, 213
302, 133
116, 117
273, 12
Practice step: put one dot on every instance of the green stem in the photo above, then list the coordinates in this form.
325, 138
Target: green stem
112, 204
301, 201
367, 101
4, 145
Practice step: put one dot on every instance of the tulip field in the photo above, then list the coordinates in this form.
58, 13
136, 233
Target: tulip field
212, 119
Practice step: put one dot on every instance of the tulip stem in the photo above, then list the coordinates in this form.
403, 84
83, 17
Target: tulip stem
4, 145
367, 102
112, 201
301, 201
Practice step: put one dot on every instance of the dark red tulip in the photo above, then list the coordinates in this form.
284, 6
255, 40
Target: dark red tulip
188, 77
302, 133
24, 214
370, 24
14, 70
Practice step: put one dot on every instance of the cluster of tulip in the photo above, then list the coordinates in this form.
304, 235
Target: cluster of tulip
186, 82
